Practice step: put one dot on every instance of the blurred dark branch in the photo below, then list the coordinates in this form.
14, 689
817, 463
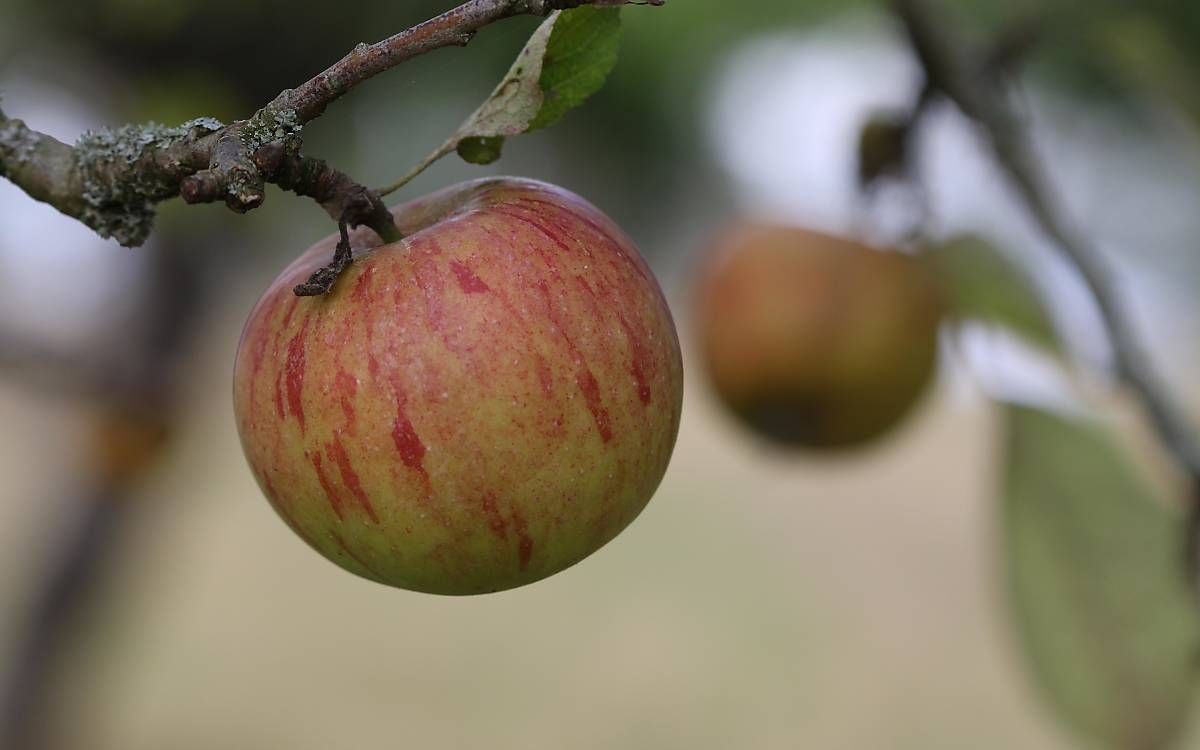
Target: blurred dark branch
967, 81
135, 405
111, 180
49, 371
29, 684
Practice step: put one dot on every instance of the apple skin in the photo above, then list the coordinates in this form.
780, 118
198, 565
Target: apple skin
473, 408
816, 341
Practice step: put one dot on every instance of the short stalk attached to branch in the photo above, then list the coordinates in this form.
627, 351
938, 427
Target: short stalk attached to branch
323, 279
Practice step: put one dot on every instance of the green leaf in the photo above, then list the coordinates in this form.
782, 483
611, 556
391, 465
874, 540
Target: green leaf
480, 150
981, 284
564, 62
581, 53
1095, 571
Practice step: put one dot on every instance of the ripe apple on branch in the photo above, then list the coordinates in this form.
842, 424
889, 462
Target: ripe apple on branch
489, 399
473, 408
466, 394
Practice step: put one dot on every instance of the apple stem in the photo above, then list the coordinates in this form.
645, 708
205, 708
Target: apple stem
323, 279
443, 150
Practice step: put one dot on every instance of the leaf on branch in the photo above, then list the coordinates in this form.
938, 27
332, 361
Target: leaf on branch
582, 51
566, 60
477, 150
983, 285
1097, 582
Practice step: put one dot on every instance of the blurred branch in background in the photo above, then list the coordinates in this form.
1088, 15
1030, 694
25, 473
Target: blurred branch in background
970, 82
135, 407
45, 369
28, 682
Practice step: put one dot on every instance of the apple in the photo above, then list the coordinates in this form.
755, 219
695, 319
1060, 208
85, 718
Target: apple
473, 408
815, 341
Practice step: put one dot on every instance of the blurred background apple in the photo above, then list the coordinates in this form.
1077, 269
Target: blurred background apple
813, 340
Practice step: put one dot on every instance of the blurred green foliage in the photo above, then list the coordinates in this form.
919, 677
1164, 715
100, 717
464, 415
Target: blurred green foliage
1094, 568
980, 284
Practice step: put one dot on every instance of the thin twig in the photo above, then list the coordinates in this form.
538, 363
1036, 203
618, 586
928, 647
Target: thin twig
27, 690
445, 149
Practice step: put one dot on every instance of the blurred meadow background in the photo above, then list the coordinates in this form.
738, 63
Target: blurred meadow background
151, 599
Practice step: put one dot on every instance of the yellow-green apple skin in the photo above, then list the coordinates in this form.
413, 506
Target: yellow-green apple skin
473, 408
815, 341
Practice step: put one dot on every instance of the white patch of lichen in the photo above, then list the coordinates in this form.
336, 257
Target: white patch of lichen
119, 200
17, 142
269, 125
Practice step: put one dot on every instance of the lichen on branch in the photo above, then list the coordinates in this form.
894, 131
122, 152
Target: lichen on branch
126, 172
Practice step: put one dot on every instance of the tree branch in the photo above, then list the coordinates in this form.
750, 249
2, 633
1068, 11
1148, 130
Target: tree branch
951, 70
453, 28
111, 180
41, 165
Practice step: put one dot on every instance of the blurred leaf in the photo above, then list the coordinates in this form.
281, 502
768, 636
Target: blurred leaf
565, 61
1096, 576
981, 284
1140, 50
